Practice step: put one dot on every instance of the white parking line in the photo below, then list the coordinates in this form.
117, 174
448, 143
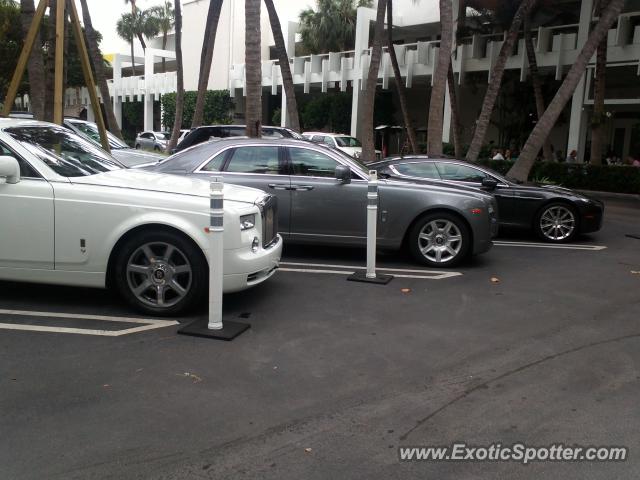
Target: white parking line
350, 269
146, 324
564, 246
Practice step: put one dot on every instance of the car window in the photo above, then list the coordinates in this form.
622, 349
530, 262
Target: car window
271, 133
64, 152
235, 132
317, 138
348, 142
215, 164
329, 141
254, 160
310, 163
460, 173
92, 133
422, 169
26, 170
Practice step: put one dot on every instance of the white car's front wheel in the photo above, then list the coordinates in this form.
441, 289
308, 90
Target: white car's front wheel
160, 273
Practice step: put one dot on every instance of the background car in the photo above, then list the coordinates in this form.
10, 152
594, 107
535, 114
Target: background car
322, 198
209, 132
122, 152
554, 213
73, 215
349, 145
156, 141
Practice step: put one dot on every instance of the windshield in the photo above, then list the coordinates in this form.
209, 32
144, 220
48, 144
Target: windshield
90, 130
64, 152
162, 135
347, 142
361, 167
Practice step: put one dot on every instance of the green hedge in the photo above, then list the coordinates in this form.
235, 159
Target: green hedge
618, 179
218, 107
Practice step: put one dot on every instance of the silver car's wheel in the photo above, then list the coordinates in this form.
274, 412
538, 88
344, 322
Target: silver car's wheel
159, 274
557, 223
439, 240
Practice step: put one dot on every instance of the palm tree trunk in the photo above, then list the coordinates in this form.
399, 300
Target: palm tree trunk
496, 80
436, 104
35, 67
400, 86
520, 170
164, 47
50, 63
253, 65
535, 80
285, 67
369, 95
98, 67
133, 59
597, 122
177, 124
206, 57
455, 117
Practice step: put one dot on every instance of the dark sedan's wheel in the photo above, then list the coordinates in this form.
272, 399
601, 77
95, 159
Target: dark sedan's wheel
160, 273
557, 223
439, 240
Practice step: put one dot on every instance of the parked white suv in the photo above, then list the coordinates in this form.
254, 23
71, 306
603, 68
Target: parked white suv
73, 215
349, 145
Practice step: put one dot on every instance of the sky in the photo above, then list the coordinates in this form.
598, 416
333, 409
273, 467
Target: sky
105, 15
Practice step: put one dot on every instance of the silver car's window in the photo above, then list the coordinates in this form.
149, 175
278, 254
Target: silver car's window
348, 142
254, 160
270, 133
64, 152
423, 169
92, 133
311, 163
216, 163
460, 173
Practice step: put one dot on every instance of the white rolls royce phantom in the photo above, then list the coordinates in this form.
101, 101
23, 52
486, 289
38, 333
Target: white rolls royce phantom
70, 214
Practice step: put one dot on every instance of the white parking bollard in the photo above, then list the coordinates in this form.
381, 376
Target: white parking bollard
372, 232
216, 253
215, 328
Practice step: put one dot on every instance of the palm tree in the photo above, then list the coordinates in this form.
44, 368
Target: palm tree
206, 57
98, 67
331, 26
164, 17
609, 14
35, 67
400, 86
126, 29
285, 67
253, 66
135, 12
597, 121
535, 80
436, 104
496, 80
177, 124
369, 95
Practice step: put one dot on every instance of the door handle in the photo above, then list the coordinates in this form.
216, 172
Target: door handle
302, 187
279, 186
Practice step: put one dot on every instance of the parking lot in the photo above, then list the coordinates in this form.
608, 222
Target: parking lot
529, 343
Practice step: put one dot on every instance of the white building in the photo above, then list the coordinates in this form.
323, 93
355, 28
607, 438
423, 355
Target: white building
416, 39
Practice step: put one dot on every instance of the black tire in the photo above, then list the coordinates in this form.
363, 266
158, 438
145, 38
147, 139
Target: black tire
156, 148
161, 272
455, 226
137, 146
568, 217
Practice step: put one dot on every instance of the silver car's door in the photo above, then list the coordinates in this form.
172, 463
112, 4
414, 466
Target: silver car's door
322, 207
26, 220
257, 166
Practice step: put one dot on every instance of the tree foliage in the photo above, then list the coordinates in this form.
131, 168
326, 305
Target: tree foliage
217, 108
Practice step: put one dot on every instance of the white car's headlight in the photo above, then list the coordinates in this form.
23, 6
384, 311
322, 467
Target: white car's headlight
247, 222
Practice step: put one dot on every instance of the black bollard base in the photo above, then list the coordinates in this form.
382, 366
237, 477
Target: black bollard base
362, 277
229, 331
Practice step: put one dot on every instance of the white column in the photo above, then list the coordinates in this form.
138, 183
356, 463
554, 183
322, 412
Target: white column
117, 88
365, 16
148, 98
578, 118
289, 30
90, 114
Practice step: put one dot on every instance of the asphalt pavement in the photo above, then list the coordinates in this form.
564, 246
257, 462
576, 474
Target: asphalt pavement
525, 344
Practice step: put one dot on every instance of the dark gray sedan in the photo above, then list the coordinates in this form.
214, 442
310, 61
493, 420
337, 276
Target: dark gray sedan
322, 198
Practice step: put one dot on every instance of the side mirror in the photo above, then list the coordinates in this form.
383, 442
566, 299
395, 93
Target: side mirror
489, 183
9, 169
343, 173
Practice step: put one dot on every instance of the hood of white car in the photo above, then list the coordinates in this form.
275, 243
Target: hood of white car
172, 184
130, 157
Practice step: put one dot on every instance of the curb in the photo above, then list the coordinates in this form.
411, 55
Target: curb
614, 195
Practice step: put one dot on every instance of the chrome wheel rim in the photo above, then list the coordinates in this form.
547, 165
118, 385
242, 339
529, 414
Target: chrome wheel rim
440, 241
557, 223
159, 274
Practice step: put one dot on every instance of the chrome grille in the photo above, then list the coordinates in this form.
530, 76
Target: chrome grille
269, 212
